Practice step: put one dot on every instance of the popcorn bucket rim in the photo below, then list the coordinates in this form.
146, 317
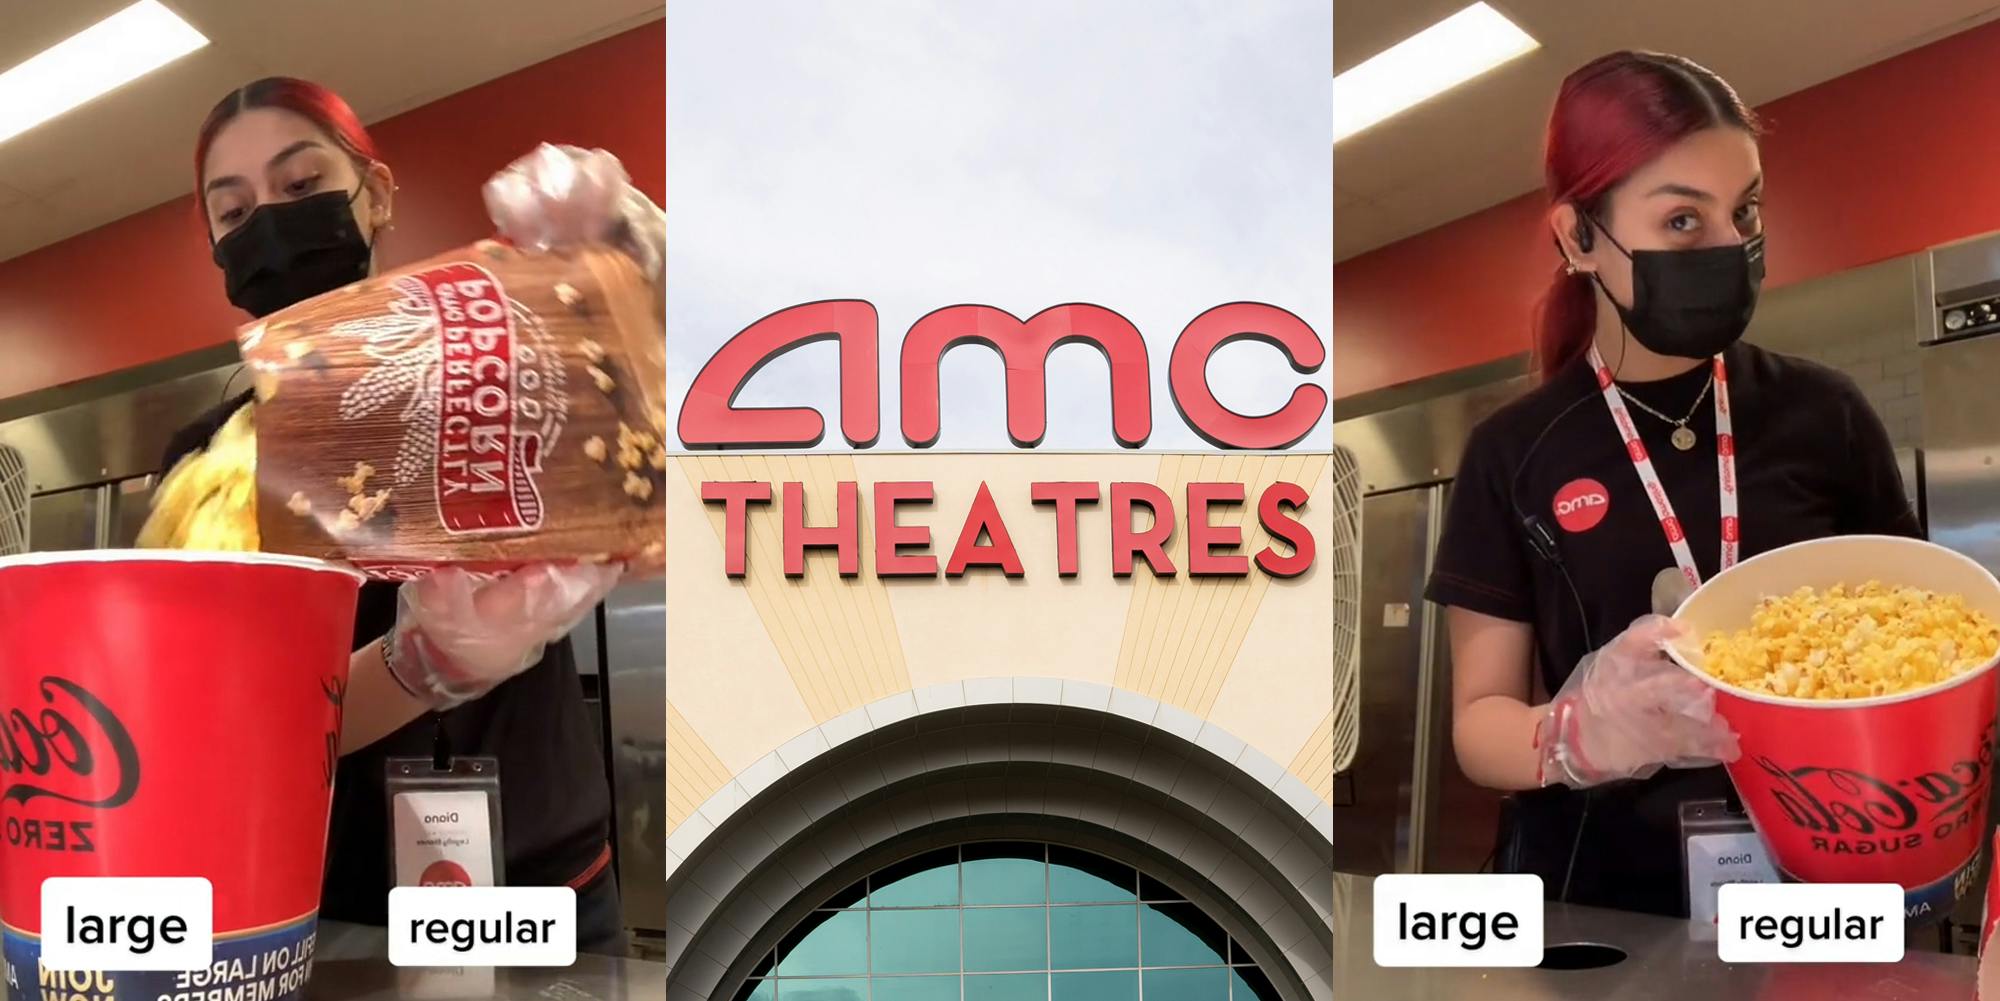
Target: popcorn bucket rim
62, 557
1680, 655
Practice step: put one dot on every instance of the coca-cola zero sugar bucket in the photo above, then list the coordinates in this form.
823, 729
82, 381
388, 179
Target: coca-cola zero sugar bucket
172, 714
1888, 789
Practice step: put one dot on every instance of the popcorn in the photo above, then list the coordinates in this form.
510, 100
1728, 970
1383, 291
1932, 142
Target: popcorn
358, 481
1852, 643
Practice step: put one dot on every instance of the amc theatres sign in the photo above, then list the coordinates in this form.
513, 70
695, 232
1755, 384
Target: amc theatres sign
1206, 522
710, 418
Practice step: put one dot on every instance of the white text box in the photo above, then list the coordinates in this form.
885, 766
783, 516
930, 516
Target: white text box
1458, 920
1809, 923
127, 923
482, 926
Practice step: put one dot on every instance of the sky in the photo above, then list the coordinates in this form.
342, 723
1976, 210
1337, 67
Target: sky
1157, 157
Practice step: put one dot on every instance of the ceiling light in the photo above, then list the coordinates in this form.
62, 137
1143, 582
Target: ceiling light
93, 62
1425, 65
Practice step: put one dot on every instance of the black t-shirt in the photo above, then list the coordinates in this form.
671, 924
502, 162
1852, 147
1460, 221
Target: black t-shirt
1812, 460
555, 805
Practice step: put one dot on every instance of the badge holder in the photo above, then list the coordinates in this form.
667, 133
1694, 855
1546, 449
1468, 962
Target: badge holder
444, 819
1719, 847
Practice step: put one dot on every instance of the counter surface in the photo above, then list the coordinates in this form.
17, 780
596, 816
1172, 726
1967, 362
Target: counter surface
351, 963
1663, 961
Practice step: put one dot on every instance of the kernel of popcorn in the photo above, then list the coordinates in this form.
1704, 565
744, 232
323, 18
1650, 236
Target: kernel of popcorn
638, 487
358, 481
658, 459
603, 379
1849, 643
296, 350
594, 448
347, 522
630, 458
299, 504
367, 506
267, 386
568, 296
591, 349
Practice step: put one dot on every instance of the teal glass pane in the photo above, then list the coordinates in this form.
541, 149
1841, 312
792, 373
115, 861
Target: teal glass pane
1077, 877
1006, 938
1096, 986
1089, 938
826, 943
915, 941
929, 880
1180, 935
1010, 987
1253, 985
916, 989
853, 896
1005, 873
1211, 984
758, 990
822, 990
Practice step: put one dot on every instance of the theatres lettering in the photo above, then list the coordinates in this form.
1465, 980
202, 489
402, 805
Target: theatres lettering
1144, 519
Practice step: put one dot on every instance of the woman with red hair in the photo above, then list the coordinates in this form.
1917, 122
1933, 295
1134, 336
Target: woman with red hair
1658, 450
295, 197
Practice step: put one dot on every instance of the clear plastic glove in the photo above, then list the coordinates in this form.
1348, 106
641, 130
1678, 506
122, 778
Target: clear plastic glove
457, 637
1628, 711
562, 196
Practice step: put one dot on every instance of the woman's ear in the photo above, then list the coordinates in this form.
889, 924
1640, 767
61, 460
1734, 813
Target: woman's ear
381, 185
1571, 237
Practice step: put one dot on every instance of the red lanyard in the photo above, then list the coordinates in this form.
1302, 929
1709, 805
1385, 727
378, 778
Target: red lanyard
1725, 467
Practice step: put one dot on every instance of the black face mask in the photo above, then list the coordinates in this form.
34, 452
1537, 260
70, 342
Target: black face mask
1690, 303
288, 252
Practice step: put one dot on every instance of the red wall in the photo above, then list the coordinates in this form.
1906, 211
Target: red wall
1884, 161
60, 321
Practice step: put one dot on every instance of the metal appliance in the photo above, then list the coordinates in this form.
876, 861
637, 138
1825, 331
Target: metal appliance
92, 454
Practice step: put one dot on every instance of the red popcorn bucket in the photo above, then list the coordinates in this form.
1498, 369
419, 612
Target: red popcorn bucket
171, 714
1890, 789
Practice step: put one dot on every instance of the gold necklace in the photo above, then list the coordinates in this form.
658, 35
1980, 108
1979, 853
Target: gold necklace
1683, 436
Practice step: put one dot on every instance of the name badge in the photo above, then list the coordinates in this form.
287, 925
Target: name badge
1721, 848
1717, 860
444, 825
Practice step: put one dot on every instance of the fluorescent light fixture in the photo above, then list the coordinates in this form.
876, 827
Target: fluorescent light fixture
91, 63
1424, 65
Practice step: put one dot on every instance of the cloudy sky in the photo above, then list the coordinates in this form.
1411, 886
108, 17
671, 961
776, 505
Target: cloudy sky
1157, 157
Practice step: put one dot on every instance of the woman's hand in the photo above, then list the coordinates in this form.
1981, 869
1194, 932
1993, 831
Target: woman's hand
457, 637
1628, 711
562, 196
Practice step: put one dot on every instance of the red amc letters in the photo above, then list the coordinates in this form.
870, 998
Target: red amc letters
903, 549
710, 418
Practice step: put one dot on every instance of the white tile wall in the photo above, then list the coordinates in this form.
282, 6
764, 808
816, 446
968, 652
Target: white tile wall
1885, 365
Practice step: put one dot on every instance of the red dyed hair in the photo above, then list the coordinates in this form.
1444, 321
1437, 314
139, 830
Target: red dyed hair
1611, 117
315, 103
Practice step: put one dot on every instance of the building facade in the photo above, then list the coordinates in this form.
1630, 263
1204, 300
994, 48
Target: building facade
1000, 725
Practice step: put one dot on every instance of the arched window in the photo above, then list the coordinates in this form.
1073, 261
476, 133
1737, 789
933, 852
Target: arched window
1008, 921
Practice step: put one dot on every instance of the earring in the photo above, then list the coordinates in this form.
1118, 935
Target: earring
1570, 268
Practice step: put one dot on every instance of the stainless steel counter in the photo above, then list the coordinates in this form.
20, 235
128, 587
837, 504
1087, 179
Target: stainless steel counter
1663, 960
351, 963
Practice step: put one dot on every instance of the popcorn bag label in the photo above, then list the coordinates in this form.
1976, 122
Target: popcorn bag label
486, 407
486, 463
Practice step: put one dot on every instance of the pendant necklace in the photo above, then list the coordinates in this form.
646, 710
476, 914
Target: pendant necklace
1683, 436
